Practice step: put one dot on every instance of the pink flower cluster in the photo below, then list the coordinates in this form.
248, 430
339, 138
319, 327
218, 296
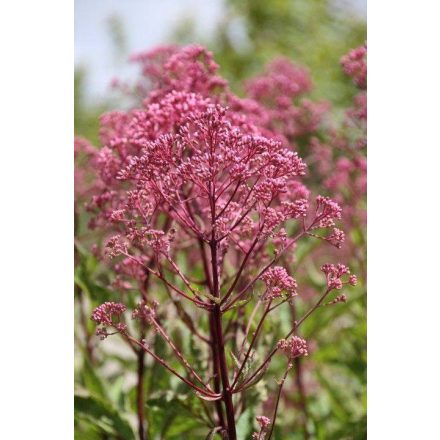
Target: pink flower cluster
144, 312
334, 273
355, 65
293, 347
279, 90
277, 281
264, 423
108, 315
250, 173
337, 156
327, 211
105, 313
168, 153
336, 238
188, 69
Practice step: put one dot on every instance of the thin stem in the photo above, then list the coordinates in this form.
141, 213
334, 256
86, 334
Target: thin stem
280, 388
183, 277
240, 270
185, 317
294, 328
171, 286
229, 201
177, 352
213, 345
300, 385
311, 310
254, 339
248, 327
268, 265
302, 395
217, 331
169, 368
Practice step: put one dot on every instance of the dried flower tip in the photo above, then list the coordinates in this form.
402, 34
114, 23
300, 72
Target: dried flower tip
102, 333
338, 299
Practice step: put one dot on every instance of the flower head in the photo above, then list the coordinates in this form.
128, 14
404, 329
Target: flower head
277, 281
188, 69
278, 90
109, 315
328, 211
355, 65
263, 421
293, 347
334, 273
336, 238
144, 312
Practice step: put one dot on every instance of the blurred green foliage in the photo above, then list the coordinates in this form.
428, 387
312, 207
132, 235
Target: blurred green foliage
86, 117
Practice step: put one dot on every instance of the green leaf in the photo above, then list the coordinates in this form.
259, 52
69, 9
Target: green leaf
103, 415
240, 303
246, 367
244, 425
257, 378
91, 381
236, 361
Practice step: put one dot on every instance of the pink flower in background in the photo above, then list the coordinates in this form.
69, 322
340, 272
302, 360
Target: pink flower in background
278, 91
355, 65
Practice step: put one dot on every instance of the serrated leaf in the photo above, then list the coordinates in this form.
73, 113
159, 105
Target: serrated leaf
240, 303
236, 361
246, 367
257, 378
